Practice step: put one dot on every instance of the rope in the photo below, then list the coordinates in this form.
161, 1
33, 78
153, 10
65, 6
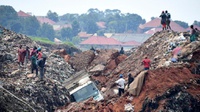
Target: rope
17, 98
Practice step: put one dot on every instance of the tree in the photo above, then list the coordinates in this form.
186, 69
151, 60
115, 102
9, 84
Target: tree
53, 16
75, 28
69, 17
152, 18
7, 13
196, 23
66, 33
15, 26
76, 40
182, 24
46, 30
100, 32
31, 26
91, 26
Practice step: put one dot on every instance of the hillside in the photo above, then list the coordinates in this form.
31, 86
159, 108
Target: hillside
21, 88
166, 85
164, 88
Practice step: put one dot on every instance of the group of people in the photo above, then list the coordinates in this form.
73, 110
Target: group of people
37, 58
165, 20
146, 62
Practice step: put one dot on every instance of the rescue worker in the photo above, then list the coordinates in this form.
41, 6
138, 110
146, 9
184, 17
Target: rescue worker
130, 79
34, 64
147, 63
39, 53
120, 84
193, 34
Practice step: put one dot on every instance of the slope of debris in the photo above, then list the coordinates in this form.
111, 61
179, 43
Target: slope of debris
25, 86
166, 85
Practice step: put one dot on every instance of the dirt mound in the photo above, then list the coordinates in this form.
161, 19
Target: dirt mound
165, 82
25, 86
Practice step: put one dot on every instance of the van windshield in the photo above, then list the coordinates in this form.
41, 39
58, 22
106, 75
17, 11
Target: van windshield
86, 92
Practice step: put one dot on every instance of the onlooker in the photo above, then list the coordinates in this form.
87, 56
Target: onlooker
121, 51
39, 55
41, 64
34, 50
121, 84
163, 20
130, 79
27, 55
193, 34
147, 63
21, 55
168, 16
33, 63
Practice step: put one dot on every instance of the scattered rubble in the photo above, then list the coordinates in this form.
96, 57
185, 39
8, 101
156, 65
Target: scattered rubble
44, 95
164, 83
165, 87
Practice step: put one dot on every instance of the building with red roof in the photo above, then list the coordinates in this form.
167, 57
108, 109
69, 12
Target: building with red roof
102, 42
155, 25
84, 35
23, 14
43, 19
101, 25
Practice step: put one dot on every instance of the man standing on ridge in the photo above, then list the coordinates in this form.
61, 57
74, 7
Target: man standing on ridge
168, 16
147, 63
163, 20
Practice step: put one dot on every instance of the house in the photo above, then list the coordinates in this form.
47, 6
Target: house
154, 25
127, 37
101, 25
59, 27
84, 36
101, 42
43, 19
23, 14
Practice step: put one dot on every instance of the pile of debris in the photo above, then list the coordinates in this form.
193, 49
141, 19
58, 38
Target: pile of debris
165, 82
25, 87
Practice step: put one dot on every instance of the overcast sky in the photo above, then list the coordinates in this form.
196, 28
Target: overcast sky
183, 10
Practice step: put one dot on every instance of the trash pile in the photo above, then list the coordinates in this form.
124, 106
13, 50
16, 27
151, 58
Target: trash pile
24, 88
162, 88
164, 83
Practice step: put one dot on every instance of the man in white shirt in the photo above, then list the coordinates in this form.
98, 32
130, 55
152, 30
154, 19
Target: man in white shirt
120, 84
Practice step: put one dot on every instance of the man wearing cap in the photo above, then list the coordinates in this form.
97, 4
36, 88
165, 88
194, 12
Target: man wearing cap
120, 84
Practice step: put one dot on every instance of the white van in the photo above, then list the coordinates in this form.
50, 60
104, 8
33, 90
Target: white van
85, 91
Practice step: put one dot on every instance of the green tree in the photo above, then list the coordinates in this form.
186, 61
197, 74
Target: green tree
53, 16
75, 28
76, 40
15, 26
7, 13
196, 23
66, 34
47, 30
31, 26
69, 17
182, 24
101, 32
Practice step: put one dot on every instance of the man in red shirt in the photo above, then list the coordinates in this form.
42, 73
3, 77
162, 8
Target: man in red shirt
147, 63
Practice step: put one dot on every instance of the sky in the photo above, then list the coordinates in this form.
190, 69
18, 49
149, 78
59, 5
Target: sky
183, 10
